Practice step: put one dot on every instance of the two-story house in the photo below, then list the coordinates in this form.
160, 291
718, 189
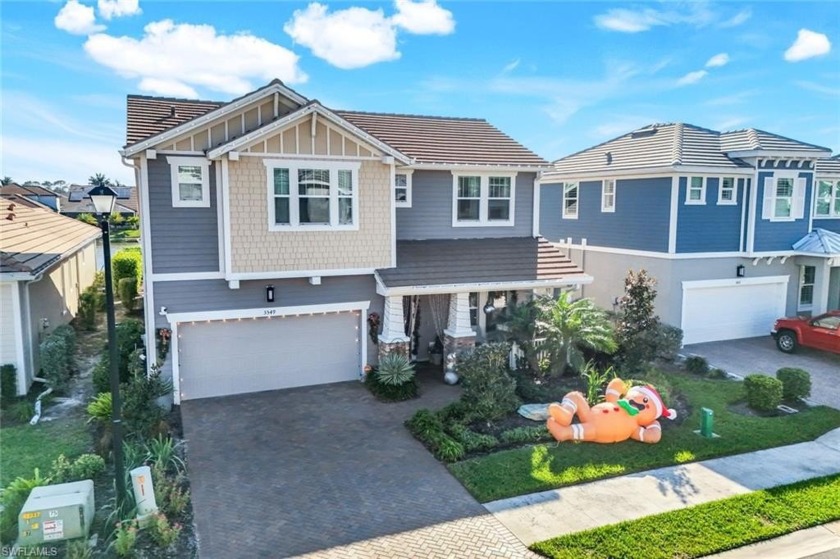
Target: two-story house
288, 244
735, 226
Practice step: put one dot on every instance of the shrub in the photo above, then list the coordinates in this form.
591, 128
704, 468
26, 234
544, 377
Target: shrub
796, 383
87, 218
79, 549
142, 416
13, 498
21, 411
163, 533
489, 388
129, 335
428, 429
125, 538
660, 381
128, 263
56, 361
127, 289
163, 452
98, 287
133, 221
718, 373
391, 393
521, 435
669, 341
763, 393
472, 441
86, 466
394, 369
169, 495
8, 384
88, 306
697, 365
100, 408
595, 381
66, 333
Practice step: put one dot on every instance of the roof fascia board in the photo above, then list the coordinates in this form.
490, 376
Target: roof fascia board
136, 148
254, 136
770, 154
577, 279
479, 167
555, 176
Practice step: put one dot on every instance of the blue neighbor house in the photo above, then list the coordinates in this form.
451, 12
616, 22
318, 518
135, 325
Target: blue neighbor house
738, 228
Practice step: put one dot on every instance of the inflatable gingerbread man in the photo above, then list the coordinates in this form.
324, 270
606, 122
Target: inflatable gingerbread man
626, 414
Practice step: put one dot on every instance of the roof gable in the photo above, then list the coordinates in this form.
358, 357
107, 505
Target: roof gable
755, 140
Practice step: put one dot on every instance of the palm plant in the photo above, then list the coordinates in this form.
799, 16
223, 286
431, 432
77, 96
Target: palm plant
100, 180
569, 325
395, 369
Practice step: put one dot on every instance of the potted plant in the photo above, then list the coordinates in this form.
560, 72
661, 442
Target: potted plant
436, 351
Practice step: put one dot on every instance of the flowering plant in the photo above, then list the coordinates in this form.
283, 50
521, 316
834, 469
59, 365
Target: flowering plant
374, 321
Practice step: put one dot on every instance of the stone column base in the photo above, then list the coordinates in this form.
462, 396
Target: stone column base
457, 345
394, 346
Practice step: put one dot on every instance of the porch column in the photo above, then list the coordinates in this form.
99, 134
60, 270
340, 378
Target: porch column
822, 280
458, 335
393, 338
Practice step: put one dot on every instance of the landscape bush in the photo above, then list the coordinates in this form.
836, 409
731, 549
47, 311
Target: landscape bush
12, 500
488, 388
697, 365
129, 335
394, 369
522, 435
472, 441
88, 307
796, 383
390, 392
763, 393
128, 263
86, 466
57, 359
127, 289
142, 416
428, 429
717, 373
8, 384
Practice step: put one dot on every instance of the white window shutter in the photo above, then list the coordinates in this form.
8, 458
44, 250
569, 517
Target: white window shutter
798, 210
769, 198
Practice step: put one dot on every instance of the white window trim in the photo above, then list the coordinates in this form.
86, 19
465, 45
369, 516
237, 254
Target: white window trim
408, 173
720, 200
795, 208
293, 166
482, 220
567, 215
604, 207
688, 200
174, 163
835, 195
799, 305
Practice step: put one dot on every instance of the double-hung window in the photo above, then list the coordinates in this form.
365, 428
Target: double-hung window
784, 198
571, 194
312, 195
608, 195
828, 198
190, 182
402, 188
727, 192
483, 200
807, 275
696, 190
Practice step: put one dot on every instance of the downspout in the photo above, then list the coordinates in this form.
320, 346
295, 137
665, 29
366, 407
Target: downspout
26, 313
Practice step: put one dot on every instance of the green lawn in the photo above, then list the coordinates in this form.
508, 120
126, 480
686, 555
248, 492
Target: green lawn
708, 528
125, 234
26, 447
548, 466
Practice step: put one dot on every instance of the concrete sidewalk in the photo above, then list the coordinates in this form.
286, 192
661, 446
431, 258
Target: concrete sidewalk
540, 516
819, 542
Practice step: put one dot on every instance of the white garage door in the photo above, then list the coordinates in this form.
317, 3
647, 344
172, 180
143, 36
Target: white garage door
731, 309
251, 355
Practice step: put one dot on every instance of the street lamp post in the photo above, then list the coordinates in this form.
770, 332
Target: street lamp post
103, 199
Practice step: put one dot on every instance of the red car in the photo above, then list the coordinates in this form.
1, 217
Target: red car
821, 332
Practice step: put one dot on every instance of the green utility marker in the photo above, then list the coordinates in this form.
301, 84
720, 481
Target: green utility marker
707, 420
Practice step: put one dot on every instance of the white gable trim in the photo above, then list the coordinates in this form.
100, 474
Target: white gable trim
313, 108
271, 89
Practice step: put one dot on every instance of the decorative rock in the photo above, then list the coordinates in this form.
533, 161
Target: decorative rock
535, 412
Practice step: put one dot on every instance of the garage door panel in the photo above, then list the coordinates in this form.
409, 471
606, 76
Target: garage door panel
248, 355
726, 312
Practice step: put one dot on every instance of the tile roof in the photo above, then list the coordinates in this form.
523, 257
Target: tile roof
830, 166
753, 139
428, 139
77, 201
451, 262
147, 116
33, 239
26, 190
819, 241
664, 146
445, 140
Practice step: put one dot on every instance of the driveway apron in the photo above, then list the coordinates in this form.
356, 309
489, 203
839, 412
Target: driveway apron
327, 471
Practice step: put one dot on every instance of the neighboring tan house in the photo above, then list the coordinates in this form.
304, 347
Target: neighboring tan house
46, 261
281, 238
33, 192
727, 222
77, 202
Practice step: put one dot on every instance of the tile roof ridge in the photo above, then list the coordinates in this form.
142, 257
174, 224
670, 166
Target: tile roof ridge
676, 148
409, 115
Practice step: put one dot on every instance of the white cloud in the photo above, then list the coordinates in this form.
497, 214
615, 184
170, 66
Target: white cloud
634, 21
511, 66
78, 19
808, 44
174, 59
738, 19
351, 38
423, 18
118, 8
692, 77
718, 60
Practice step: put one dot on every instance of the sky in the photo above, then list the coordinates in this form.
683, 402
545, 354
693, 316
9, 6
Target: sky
556, 76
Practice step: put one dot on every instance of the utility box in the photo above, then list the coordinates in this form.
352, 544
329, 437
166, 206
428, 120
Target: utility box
707, 421
144, 494
56, 512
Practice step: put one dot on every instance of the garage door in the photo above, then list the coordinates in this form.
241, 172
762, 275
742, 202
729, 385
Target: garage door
731, 309
220, 358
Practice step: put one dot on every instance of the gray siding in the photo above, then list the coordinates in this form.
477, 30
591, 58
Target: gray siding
609, 271
215, 295
183, 239
430, 215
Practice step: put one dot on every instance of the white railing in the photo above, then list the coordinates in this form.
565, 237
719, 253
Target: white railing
516, 352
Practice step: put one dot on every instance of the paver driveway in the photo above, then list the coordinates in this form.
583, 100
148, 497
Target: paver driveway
328, 471
759, 355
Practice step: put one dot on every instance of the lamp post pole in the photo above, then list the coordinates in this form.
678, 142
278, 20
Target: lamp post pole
113, 359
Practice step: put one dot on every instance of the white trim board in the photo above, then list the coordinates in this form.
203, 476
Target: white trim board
20, 355
299, 274
731, 282
142, 174
383, 290
186, 276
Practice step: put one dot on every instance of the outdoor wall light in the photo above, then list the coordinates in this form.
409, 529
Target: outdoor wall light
489, 308
269, 293
740, 271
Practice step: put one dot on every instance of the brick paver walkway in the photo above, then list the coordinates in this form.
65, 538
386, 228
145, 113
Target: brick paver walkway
327, 471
